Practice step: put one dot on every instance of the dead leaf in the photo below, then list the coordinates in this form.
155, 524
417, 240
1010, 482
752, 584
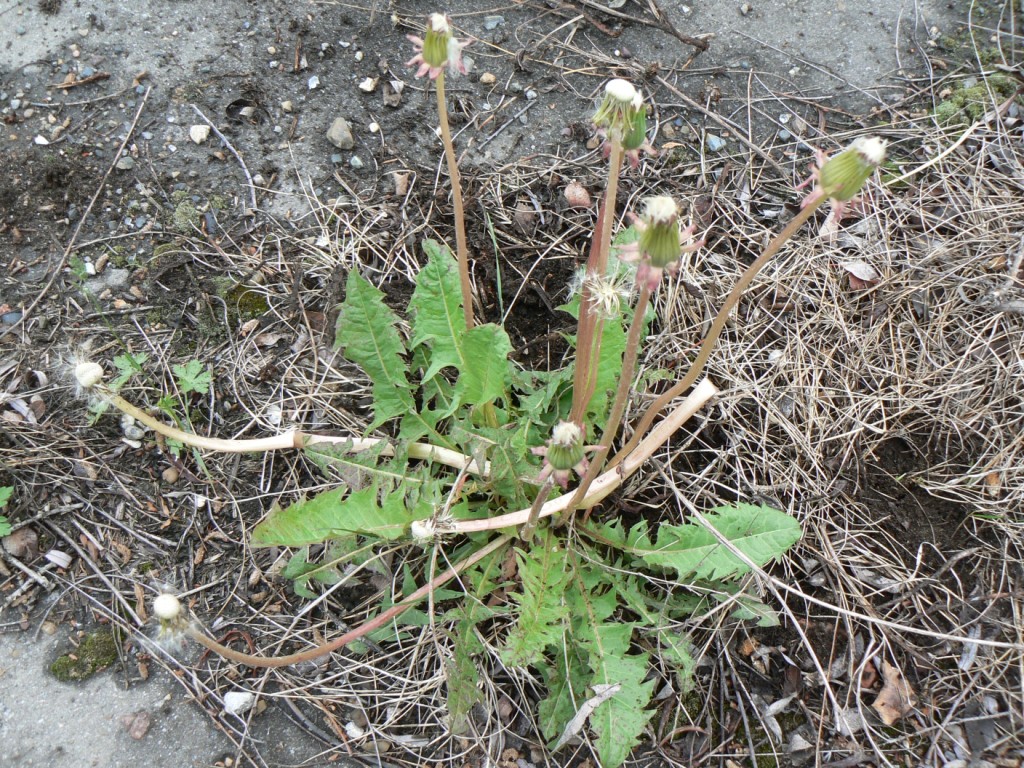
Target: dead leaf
862, 274
137, 723
22, 544
896, 699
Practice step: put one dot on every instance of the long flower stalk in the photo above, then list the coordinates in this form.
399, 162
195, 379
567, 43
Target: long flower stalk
461, 248
717, 326
168, 611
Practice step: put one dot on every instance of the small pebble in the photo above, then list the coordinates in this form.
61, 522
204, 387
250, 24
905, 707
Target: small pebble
784, 135
714, 143
493, 22
287, 106
355, 162
359, 55
340, 134
126, 163
199, 133
170, 475
745, 9
313, 83
87, 72
487, 78
531, 95
15, 103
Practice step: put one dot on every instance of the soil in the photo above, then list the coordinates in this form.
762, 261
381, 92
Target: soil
120, 232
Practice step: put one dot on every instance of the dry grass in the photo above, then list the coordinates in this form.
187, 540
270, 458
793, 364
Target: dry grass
824, 384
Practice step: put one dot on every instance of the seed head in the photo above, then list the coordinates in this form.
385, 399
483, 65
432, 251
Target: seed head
620, 111
173, 623
88, 374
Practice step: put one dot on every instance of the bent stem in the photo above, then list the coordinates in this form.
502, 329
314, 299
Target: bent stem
294, 440
697, 366
361, 631
461, 249
607, 482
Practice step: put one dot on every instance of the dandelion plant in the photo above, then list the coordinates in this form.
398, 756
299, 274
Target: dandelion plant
483, 452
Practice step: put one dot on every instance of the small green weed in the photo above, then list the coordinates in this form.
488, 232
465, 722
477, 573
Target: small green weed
6, 492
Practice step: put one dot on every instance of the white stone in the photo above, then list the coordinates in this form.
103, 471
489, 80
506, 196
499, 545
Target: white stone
199, 133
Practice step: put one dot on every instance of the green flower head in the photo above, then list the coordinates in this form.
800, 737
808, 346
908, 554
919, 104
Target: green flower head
660, 239
842, 177
437, 49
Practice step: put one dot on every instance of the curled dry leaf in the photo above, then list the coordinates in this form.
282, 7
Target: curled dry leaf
862, 274
22, 544
897, 698
576, 195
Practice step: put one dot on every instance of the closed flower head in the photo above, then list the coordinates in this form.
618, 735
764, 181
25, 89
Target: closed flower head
563, 454
840, 178
437, 49
660, 243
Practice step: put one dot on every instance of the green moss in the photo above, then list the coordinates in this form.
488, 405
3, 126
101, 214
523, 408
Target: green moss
248, 303
186, 217
97, 651
967, 105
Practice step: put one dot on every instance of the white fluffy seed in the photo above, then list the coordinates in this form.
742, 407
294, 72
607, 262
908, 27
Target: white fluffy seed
88, 374
167, 607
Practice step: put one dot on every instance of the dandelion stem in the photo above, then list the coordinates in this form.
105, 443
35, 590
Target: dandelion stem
295, 440
697, 366
361, 631
461, 249
611, 427
590, 326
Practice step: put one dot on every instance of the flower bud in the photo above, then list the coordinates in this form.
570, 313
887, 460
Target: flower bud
842, 177
620, 110
660, 238
435, 41
565, 449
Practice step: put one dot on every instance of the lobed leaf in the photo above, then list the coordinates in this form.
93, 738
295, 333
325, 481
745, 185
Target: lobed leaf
763, 534
368, 334
485, 375
542, 613
438, 319
331, 515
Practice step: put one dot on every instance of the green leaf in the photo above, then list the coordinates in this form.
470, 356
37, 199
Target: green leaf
6, 492
620, 721
438, 319
566, 683
193, 377
485, 376
5, 527
331, 515
127, 366
763, 534
368, 334
542, 612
